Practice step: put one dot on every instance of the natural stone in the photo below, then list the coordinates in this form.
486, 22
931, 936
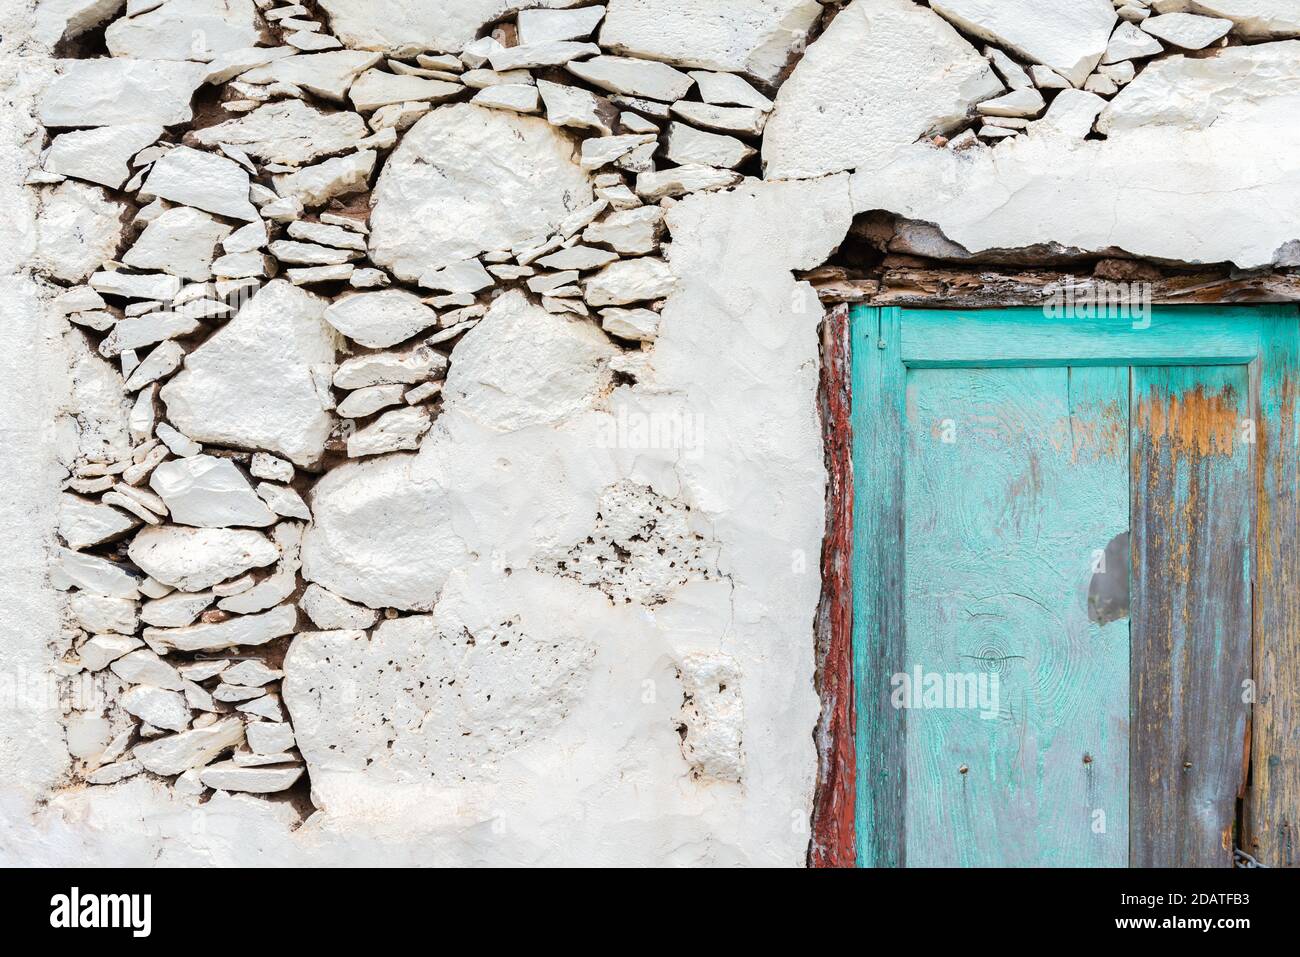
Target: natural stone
632, 232
101, 155
436, 203
190, 749
382, 368
103, 613
754, 37
181, 241
317, 185
550, 53
1194, 93
120, 90
328, 74
175, 610
237, 390
680, 180
328, 611
144, 667
84, 523
154, 286
283, 501
376, 88
726, 119
406, 564
1187, 30
1012, 73
230, 64
99, 652
629, 280
466, 276
204, 180
1067, 35
519, 97
1071, 115
573, 106
270, 591
242, 630
728, 89
185, 30
540, 26
578, 257
1130, 43
641, 325
229, 776
252, 673
193, 559
209, 492
160, 708
57, 20
287, 131
380, 319
685, 145
371, 399
309, 254
144, 330
521, 366
893, 71
269, 737
93, 574
1253, 19
393, 431
115, 772
617, 74
1017, 103
406, 27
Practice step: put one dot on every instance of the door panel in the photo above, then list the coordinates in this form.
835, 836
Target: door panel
1016, 483
1193, 481
977, 556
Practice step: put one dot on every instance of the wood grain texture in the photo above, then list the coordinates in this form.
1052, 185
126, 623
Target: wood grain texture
983, 287
833, 843
1263, 344
1025, 337
878, 639
1273, 801
1193, 495
1005, 525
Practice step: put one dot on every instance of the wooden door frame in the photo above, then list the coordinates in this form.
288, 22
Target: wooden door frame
849, 802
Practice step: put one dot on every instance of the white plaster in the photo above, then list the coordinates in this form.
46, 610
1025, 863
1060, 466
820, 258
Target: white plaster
596, 560
885, 73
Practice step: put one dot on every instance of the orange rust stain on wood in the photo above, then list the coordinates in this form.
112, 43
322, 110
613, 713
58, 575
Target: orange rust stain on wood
1192, 423
1102, 433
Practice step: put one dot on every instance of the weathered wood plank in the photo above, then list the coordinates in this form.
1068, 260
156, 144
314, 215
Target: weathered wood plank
878, 640
1187, 336
833, 843
1017, 483
1273, 802
951, 288
1193, 479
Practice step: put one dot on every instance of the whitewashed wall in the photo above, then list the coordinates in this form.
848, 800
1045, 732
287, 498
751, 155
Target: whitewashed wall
594, 643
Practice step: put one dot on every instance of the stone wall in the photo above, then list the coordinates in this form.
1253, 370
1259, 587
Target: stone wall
414, 443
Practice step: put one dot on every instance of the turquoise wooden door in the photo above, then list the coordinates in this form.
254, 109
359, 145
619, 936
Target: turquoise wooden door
1055, 538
